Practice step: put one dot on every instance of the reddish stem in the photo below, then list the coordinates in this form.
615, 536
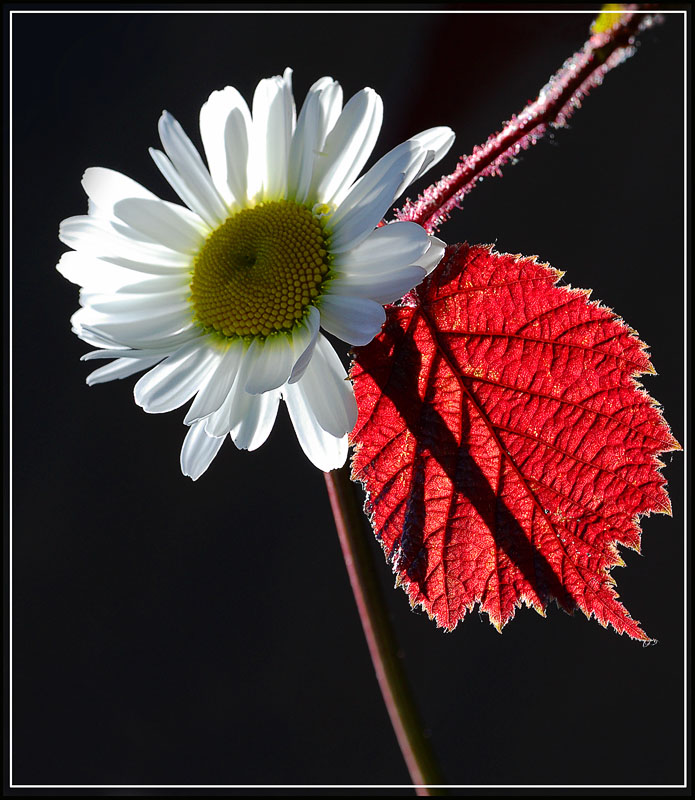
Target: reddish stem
555, 104
349, 521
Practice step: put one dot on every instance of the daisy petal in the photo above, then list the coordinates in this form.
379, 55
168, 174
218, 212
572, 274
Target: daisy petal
122, 306
318, 116
325, 452
304, 341
391, 170
179, 185
106, 188
167, 342
89, 272
253, 417
273, 123
121, 368
348, 146
434, 254
225, 128
158, 285
161, 224
436, 141
154, 332
384, 288
269, 363
355, 320
122, 309
331, 104
358, 223
189, 165
98, 237
410, 159
221, 421
198, 451
177, 379
328, 391
100, 275
305, 144
405, 160
391, 247
94, 355
219, 383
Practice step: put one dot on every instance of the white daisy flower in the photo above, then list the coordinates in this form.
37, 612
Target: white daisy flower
222, 300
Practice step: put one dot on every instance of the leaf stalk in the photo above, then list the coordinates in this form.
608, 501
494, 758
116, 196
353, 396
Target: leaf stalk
553, 107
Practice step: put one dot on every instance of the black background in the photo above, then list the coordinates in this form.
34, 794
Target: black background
175, 632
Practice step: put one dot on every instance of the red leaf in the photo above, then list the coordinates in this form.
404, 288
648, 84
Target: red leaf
504, 444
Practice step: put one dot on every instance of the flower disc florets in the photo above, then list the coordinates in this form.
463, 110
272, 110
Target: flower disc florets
258, 272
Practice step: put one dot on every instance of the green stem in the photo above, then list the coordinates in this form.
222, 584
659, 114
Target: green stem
377, 630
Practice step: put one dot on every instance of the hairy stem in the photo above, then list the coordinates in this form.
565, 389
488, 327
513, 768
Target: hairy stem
556, 102
377, 630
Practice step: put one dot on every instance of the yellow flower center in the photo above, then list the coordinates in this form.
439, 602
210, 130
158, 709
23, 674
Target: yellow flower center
259, 271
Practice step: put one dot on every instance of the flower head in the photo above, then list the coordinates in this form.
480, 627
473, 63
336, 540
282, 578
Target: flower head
221, 300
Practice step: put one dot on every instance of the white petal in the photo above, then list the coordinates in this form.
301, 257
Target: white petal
177, 379
385, 288
106, 188
158, 285
124, 307
328, 391
92, 337
303, 150
436, 141
164, 290
121, 368
325, 452
125, 353
198, 451
405, 160
304, 341
189, 165
273, 124
355, 320
253, 417
348, 146
423, 151
166, 343
92, 273
221, 421
331, 102
225, 128
98, 237
393, 246
160, 223
362, 218
270, 363
318, 116
144, 332
434, 254
180, 265
389, 171
181, 187
220, 381
409, 160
